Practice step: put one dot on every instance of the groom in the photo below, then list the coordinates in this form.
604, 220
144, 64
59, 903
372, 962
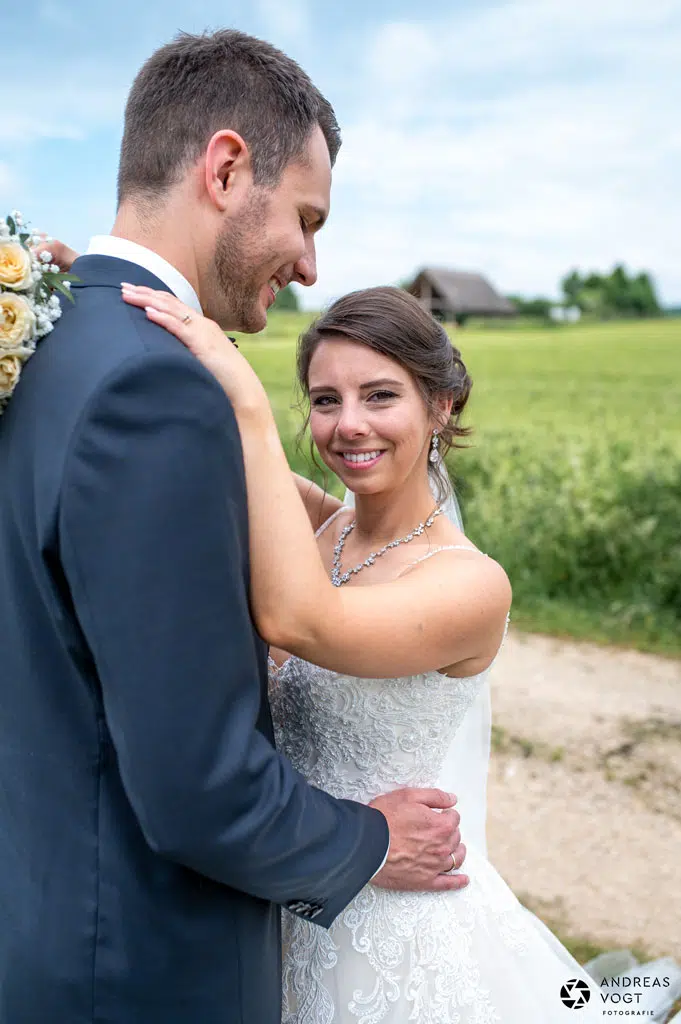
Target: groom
149, 831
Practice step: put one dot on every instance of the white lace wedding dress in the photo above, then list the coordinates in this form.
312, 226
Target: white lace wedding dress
470, 957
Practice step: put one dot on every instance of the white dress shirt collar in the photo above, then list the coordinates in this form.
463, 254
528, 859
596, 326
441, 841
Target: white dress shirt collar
123, 249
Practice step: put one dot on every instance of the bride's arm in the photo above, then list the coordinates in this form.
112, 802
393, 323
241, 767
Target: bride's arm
420, 622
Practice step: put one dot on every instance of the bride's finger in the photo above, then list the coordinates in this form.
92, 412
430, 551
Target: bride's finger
138, 295
180, 328
60, 253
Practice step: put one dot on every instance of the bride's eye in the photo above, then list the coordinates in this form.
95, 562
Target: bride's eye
383, 396
323, 400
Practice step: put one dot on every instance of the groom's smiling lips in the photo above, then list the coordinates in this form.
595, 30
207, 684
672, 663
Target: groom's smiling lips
280, 282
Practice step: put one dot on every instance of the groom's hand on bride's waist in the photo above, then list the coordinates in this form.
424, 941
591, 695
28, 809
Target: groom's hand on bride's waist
425, 841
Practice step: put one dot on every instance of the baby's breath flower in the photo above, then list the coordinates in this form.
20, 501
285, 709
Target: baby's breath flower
46, 256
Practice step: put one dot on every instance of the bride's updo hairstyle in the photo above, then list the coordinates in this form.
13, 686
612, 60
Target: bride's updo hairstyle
392, 322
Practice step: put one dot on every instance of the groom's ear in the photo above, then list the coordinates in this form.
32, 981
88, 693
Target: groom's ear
227, 167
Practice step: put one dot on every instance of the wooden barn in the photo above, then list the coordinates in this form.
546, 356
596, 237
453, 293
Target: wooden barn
456, 295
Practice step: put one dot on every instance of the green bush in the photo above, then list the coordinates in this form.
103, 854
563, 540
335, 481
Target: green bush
592, 524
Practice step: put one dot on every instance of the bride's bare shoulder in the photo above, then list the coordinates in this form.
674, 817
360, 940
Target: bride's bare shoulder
319, 504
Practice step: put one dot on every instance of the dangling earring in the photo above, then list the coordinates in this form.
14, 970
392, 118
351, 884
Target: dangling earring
434, 446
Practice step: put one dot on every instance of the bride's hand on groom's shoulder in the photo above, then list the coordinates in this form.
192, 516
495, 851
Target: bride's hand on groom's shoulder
425, 841
204, 339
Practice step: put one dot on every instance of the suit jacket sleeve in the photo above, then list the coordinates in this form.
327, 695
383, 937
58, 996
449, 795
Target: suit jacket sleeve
152, 493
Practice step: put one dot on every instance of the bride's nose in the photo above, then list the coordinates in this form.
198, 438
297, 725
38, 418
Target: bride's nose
352, 421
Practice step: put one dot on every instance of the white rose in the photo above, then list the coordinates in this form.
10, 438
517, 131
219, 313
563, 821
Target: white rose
17, 321
15, 265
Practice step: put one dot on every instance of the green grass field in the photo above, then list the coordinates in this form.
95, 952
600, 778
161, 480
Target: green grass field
573, 477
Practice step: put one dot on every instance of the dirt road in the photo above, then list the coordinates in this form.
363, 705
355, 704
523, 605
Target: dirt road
585, 789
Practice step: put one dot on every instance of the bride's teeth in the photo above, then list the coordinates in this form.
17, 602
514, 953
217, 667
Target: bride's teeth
361, 456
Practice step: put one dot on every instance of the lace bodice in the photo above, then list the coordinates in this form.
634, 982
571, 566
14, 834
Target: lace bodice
356, 738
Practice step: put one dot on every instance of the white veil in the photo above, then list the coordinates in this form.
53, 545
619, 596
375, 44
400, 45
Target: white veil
467, 762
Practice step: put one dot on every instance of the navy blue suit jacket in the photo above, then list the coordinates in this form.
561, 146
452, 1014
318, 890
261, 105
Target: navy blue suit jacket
148, 828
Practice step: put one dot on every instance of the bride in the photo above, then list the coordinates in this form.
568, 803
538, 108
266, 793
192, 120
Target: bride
373, 693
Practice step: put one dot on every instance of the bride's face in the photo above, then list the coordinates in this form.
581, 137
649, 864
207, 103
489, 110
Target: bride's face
367, 419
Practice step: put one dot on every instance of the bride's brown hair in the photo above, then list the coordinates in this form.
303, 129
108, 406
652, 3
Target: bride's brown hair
392, 322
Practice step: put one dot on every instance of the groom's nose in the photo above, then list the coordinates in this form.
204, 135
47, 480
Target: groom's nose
305, 270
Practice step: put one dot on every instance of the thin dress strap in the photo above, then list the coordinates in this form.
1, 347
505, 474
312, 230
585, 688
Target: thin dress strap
436, 551
327, 522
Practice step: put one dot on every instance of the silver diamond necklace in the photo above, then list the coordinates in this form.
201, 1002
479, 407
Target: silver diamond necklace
339, 579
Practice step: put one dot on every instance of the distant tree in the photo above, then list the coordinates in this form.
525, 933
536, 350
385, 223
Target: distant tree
611, 295
286, 301
643, 296
617, 291
539, 307
571, 286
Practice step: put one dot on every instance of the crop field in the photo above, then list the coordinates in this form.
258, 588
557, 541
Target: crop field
573, 475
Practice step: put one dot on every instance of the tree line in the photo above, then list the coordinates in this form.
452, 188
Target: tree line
604, 296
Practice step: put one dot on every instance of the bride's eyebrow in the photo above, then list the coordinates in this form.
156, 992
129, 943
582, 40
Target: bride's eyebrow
382, 383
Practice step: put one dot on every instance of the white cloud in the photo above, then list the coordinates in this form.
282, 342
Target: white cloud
531, 137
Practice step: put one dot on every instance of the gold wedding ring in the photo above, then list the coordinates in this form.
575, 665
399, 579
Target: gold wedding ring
186, 319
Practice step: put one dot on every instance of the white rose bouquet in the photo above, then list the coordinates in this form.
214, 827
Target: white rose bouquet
29, 303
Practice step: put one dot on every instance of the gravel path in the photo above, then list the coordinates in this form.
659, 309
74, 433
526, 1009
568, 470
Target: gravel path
585, 789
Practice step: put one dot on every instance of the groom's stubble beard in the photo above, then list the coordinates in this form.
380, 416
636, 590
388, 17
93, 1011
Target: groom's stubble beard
240, 256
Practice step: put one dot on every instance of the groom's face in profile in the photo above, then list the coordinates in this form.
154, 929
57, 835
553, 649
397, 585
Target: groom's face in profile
268, 240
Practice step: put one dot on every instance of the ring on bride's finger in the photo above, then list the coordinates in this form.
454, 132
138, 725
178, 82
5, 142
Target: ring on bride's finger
453, 867
186, 319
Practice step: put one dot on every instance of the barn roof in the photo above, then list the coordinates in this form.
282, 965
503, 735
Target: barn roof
464, 292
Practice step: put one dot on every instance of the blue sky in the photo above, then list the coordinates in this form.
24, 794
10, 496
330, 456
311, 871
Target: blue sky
518, 138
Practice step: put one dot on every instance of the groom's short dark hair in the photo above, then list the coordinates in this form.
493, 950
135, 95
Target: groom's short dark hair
200, 84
